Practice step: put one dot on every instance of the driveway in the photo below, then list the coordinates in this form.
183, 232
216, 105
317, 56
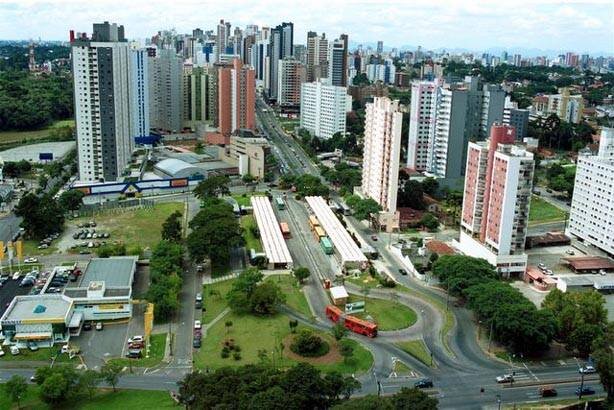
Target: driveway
98, 346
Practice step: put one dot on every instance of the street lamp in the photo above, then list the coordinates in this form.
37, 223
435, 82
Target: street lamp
499, 401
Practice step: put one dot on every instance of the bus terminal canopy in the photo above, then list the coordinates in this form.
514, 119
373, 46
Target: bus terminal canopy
272, 239
349, 252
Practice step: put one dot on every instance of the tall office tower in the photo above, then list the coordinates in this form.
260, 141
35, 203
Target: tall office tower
492, 103
260, 63
345, 71
592, 212
198, 33
504, 57
101, 78
139, 93
496, 201
317, 56
197, 96
282, 45
236, 97
249, 44
237, 42
291, 75
380, 47
517, 60
300, 53
421, 123
516, 117
337, 63
382, 150
221, 40
166, 91
324, 108
251, 29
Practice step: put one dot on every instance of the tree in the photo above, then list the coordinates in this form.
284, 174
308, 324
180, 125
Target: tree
339, 386
582, 338
57, 384
248, 178
228, 325
301, 273
16, 387
369, 402
265, 298
347, 351
458, 272
41, 216
171, 228
308, 344
212, 187
430, 186
429, 221
293, 324
88, 382
339, 331
604, 360
110, 373
411, 399
412, 195
365, 208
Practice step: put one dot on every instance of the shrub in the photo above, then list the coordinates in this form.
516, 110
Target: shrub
307, 344
225, 354
236, 356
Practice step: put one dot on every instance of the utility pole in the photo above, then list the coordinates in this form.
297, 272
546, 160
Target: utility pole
581, 386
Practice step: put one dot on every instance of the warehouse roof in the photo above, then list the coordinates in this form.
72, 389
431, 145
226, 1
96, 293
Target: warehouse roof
341, 239
176, 167
116, 271
270, 234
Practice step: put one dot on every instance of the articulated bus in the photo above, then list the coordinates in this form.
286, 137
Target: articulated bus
350, 322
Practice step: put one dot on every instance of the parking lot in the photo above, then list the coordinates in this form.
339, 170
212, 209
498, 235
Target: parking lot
8, 291
551, 257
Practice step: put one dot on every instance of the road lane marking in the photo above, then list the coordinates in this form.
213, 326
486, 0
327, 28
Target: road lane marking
530, 372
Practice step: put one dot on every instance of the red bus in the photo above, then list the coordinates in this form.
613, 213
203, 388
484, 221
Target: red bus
285, 230
350, 322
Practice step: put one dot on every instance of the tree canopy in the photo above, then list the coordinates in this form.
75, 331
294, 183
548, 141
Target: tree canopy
42, 216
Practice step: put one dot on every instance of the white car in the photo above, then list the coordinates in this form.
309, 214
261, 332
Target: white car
16, 275
197, 324
587, 370
136, 339
14, 350
506, 378
30, 260
1, 352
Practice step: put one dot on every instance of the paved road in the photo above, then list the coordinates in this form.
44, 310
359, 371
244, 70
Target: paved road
553, 198
9, 227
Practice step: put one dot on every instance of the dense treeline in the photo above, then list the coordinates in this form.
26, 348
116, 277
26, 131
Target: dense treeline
165, 270
303, 386
15, 56
554, 133
30, 101
514, 320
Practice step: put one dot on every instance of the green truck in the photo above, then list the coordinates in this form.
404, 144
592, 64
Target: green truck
327, 245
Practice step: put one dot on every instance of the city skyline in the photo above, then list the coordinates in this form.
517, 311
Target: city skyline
478, 26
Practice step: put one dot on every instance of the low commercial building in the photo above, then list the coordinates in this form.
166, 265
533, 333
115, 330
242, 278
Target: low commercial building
248, 152
105, 289
589, 264
176, 168
576, 283
339, 295
40, 319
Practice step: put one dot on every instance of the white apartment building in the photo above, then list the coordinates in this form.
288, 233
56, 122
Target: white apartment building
103, 105
421, 123
496, 201
591, 218
166, 91
139, 93
324, 108
382, 148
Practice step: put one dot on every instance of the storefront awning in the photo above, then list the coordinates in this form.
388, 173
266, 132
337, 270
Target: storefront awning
33, 336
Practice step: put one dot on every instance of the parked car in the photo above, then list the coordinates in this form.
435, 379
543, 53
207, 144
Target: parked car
99, 326
197, 324
506, 378
33, 347
199, 297
16, 275
403, 272
1, 352
134, 339
196, 343
374, 237
570, 252
134, 354
87, 326
541, 266
30, 260
585, 391
587, 370
423, 383
14, 350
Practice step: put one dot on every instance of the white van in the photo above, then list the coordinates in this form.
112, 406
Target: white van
14, 350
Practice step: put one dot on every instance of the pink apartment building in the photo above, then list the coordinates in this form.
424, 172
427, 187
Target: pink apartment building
236, 97
498, 184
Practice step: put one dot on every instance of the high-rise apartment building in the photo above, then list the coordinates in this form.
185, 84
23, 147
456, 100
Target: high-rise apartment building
236, 97
337, 63
198, 97
139, 93
282, 45
516, 117
382, 150
380, 47
317, 56
291, 75
444, 117
300, 53
221, 40
496, 201
591, 218
324, 108
103, 104
166, 91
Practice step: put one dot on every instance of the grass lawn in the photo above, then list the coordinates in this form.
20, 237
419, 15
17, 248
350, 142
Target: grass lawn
251, 241
156, 353
387, 314
417, 349
24, 268
104, 399
243, 199
18, 136
139, 227
552, 404
363, 280
264, 333
542, 211
41, 355
30, 248
295, 298
215, 304
401, 368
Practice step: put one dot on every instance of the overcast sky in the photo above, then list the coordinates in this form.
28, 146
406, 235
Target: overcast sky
476, 25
